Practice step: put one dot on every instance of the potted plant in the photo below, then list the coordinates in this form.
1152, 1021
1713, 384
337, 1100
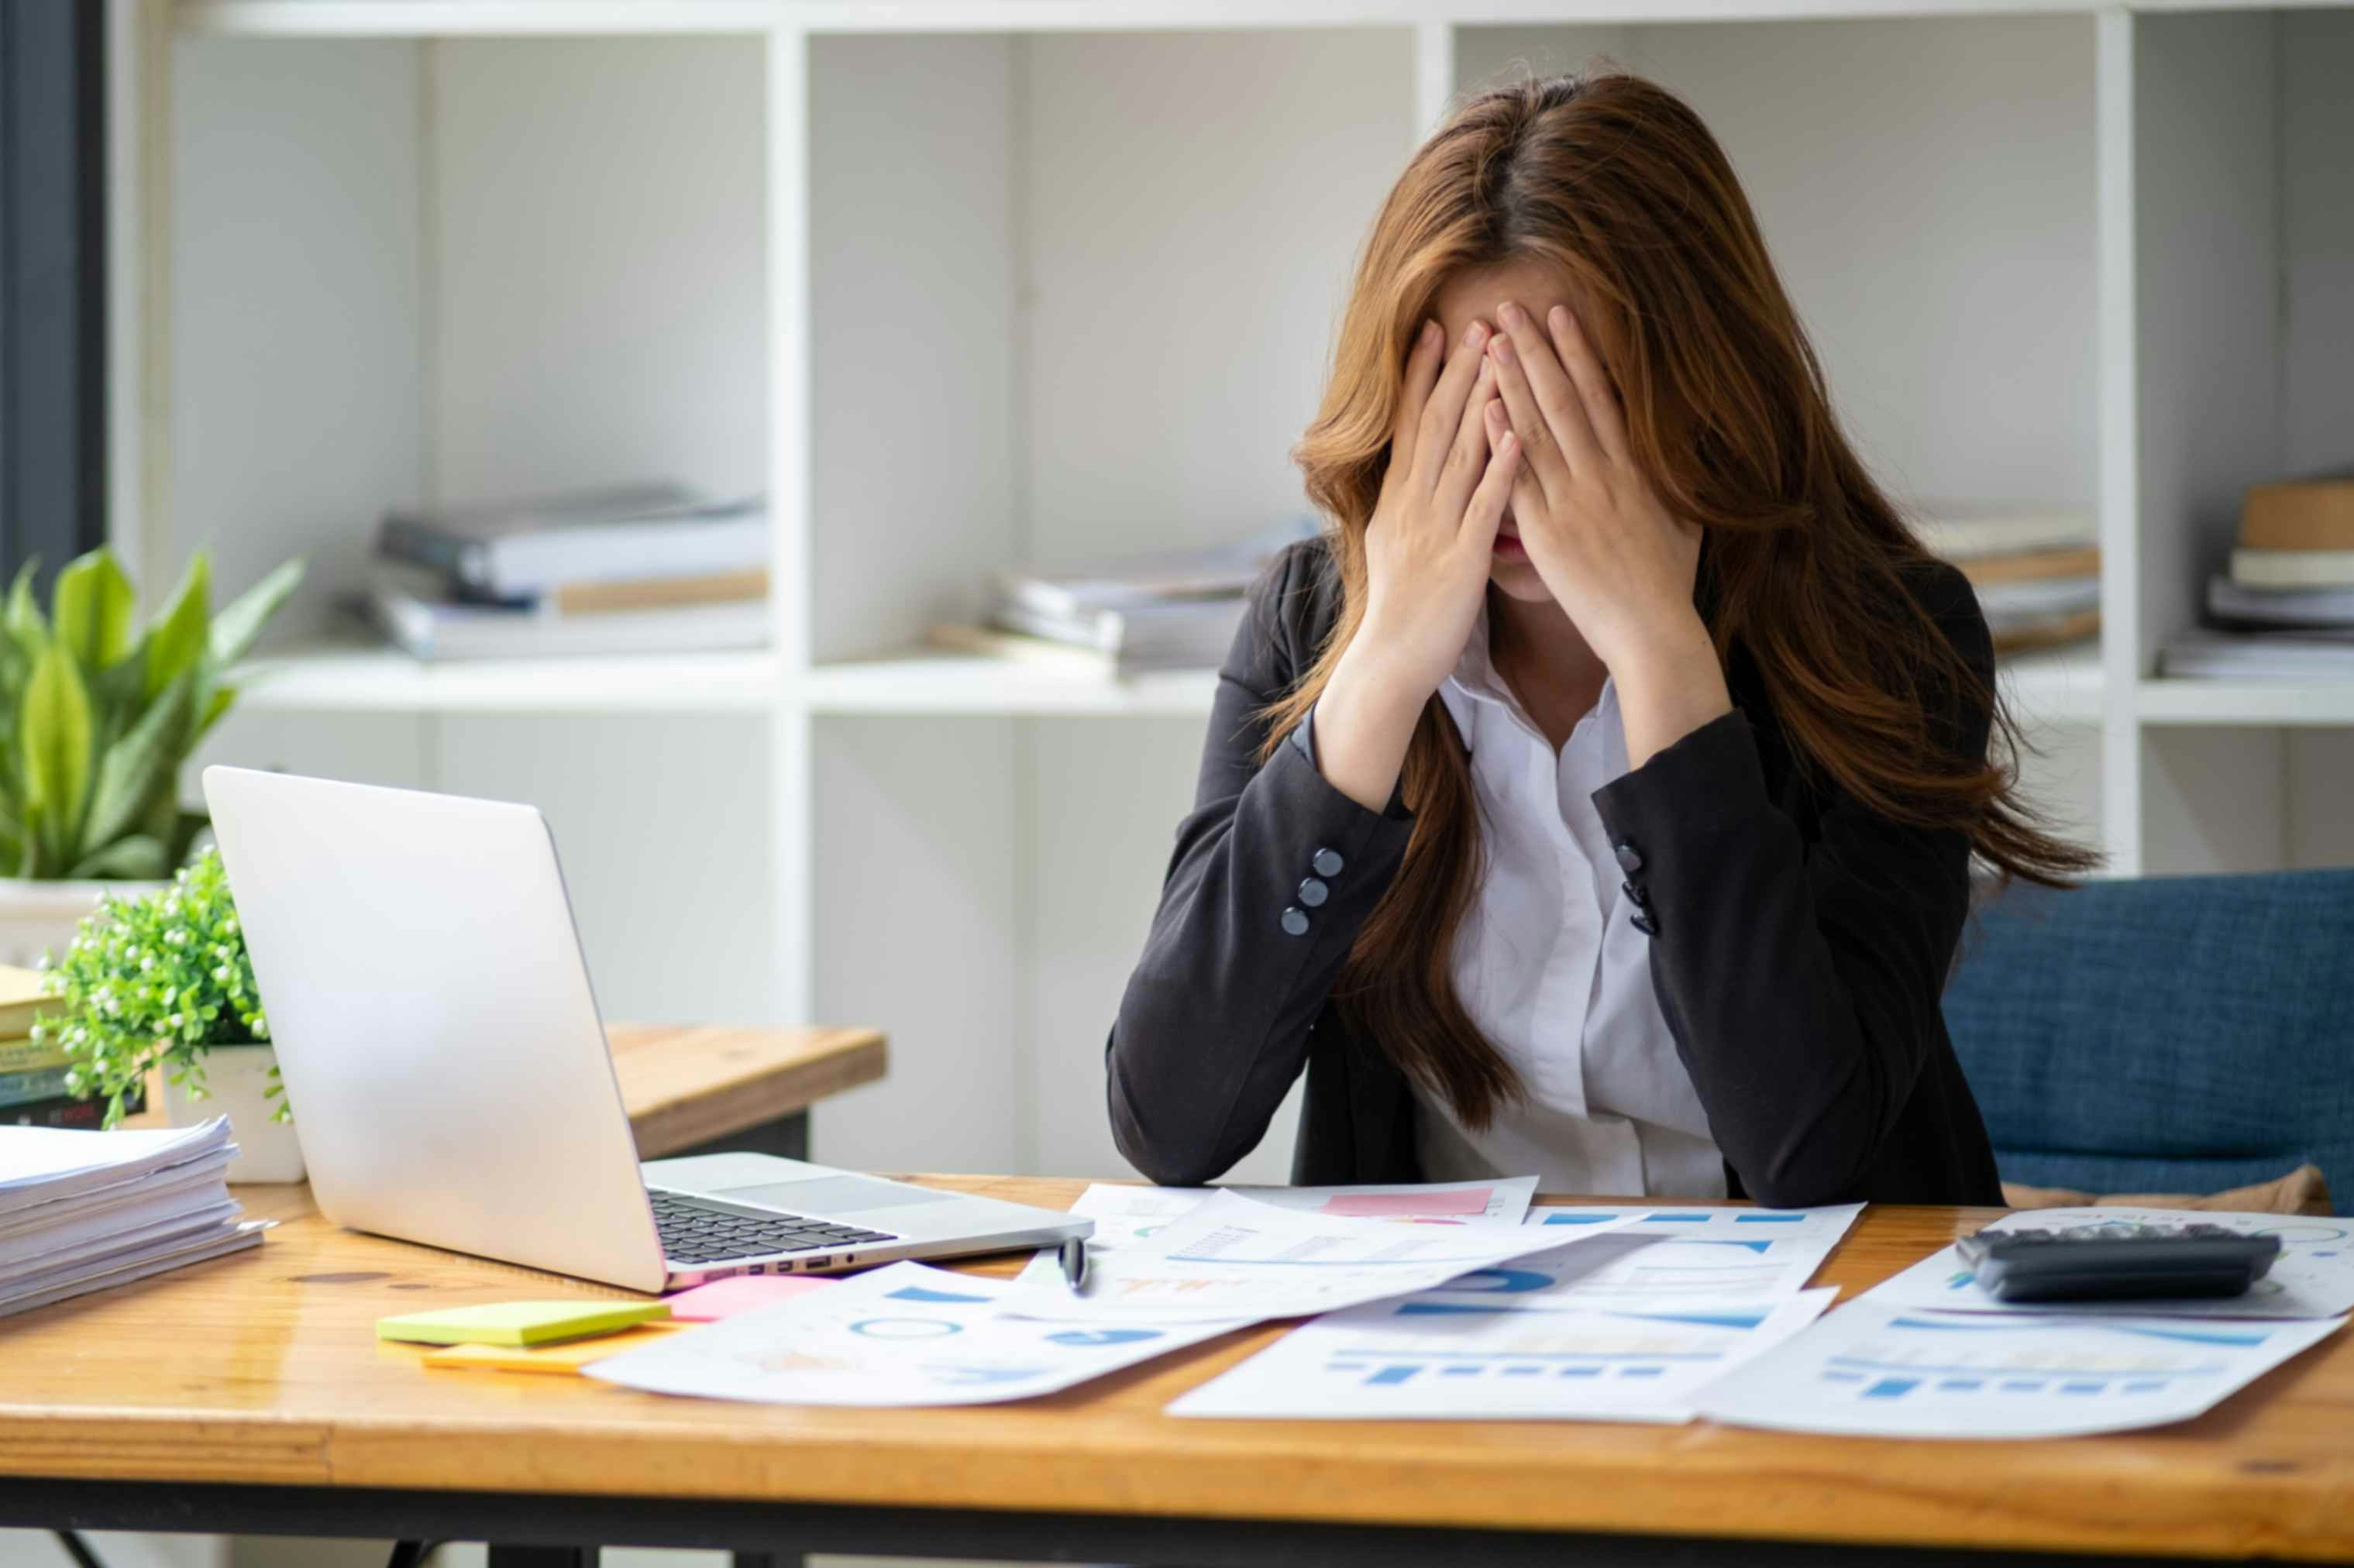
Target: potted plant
162, 981
97, 716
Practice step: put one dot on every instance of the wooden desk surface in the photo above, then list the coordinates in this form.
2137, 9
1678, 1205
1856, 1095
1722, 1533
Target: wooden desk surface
263, 1368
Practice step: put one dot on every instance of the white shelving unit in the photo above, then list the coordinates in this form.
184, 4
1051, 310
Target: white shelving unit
963, 282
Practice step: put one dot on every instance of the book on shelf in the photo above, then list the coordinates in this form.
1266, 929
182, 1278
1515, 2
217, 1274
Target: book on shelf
1162, 609
65, 1110
25, 1088
2232, 603
2259, 568
22, 993
1967, 534
523, 549
2260, 655
436, 628
2034, 566
2037, 574
657, 593
1152, 577
1177, 636
2316, 514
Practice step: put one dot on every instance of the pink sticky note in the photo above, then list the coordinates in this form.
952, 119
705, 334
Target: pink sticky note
738, 1293
1408, 1205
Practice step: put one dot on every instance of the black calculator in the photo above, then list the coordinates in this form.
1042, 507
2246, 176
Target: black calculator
2116, 1263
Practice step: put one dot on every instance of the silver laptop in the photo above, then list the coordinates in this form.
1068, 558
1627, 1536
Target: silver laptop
448, 1069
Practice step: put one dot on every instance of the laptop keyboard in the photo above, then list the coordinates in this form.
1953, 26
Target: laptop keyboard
698, 1232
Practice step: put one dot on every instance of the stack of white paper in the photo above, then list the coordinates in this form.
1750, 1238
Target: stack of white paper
83, 1211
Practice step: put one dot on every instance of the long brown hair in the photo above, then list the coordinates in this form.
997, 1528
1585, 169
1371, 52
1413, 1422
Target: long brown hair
1615, 182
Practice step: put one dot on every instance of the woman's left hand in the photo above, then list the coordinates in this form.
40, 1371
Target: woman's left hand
1614, 558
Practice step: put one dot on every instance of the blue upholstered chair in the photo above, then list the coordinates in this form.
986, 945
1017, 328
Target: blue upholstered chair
2164, 1034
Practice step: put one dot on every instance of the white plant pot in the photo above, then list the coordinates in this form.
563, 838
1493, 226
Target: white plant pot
39, 919
237, 1085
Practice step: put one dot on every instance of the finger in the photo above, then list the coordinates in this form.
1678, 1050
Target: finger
1442, 416
1593, 382
1468, 458
1486, 511
1556, 393
1422, 364
1544, 457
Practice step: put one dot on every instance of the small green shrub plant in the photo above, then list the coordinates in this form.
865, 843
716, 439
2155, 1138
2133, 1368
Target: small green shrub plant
153, 980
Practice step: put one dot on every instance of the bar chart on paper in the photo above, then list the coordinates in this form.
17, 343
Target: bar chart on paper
1887, 1371
1431, 1357
1691, 1253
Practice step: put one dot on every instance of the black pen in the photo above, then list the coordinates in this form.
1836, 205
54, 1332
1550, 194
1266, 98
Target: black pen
1074, 1254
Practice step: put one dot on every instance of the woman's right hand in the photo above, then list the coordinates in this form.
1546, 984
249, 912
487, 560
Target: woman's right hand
1433, 533
1427, 553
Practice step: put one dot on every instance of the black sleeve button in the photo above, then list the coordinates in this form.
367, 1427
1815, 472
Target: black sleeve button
1314, 893
1643, 923
1641, 898
1327, 862
1630, 859
1295, 921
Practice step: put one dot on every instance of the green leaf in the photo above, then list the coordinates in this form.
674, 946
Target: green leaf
57, 744
26, 628
28, 857
238, 624
216, 702
135, 858
93, 605
146, 759
180, 633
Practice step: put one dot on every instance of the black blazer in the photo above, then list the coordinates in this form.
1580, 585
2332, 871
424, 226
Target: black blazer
1801, 943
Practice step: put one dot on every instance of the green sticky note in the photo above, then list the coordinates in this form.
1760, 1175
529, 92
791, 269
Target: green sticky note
519, 1322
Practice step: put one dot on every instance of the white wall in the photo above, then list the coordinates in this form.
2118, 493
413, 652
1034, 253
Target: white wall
474, 269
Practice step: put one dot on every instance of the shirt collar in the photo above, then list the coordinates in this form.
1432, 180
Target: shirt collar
1475, 677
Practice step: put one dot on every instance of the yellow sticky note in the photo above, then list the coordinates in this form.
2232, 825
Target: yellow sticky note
567, 1357
519, 1322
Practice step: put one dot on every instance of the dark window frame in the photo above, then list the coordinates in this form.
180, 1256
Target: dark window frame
52, 280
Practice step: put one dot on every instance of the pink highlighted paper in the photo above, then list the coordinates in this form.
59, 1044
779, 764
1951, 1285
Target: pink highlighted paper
1409, 1205
739, 1293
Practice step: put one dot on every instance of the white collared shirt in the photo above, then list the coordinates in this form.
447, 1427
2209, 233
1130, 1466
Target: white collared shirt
1554, 974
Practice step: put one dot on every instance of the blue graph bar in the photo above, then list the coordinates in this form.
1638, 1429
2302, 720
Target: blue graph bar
1891, 1388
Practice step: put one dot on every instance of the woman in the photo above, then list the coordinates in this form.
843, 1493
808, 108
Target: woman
1597, 797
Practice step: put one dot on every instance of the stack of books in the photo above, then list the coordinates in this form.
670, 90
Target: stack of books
2038, 574
637, 568
2285, 610
32, 1077
1166, 610
88, 1211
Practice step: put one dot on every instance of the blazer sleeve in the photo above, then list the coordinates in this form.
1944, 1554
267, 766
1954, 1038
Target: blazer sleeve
1801, 981
1273, 875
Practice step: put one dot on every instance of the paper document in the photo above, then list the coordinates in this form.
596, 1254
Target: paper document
43, 1164
1233, 1256
904, 1335
1874, 1371
1693, 1253
2313, 1277
1452, 1357
1125, 1214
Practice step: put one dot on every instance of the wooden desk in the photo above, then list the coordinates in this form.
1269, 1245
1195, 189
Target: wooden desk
248, 1394
692, 1090
689, 1089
